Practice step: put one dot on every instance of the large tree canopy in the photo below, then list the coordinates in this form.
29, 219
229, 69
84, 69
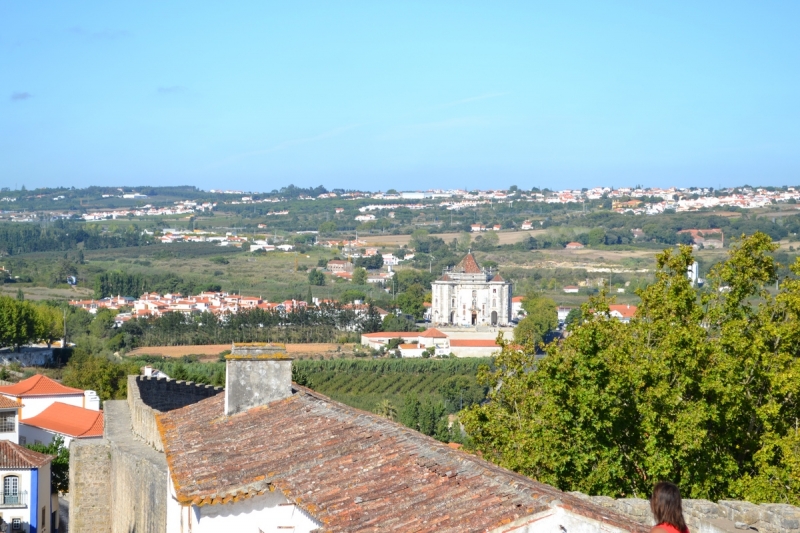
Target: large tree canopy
700, 388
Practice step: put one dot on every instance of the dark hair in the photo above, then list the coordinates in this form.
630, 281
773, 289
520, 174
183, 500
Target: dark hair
666, 505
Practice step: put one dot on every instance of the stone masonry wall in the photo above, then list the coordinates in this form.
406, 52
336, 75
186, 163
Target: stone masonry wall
703, 516
148, 397
89, 486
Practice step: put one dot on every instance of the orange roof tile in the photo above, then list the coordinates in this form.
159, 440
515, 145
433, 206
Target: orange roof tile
627, 311
38, 385
498, 277
433, 333
8, 403
15, 456
517, 299
68, 420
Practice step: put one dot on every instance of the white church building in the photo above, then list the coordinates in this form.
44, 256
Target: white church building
468, 295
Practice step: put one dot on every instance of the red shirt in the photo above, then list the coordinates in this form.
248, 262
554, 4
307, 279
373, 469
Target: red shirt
671, 529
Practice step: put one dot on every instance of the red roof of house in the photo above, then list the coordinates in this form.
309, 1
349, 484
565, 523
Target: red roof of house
38, 385
517, 299
473, 343
351, 470
409, 346
433, 333
68, 420
574, 245
627, 311
468, 265
15, 456
8, 403
498, 277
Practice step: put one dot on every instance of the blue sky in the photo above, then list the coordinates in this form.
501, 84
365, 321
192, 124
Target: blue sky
408, 95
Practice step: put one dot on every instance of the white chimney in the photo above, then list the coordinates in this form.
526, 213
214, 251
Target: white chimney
91, 400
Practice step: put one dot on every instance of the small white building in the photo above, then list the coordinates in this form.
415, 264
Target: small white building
26, 502
39, 392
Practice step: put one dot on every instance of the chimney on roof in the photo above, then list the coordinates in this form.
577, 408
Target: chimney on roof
256, 374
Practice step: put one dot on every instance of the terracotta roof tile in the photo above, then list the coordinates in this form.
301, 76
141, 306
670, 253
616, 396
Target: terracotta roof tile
37, 385
68, 420
351, 470
433, 333
15, 456
468, 265
498, 277
8, 403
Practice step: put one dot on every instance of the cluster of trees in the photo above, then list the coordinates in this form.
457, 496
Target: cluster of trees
22, 322
252, 325
64, 235
541, 319
134, 284
699, 388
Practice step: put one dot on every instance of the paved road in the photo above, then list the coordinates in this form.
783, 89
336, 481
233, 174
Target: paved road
63, 513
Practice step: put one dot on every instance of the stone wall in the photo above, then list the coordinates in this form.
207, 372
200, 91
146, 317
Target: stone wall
148, 397
703, 516
90, 472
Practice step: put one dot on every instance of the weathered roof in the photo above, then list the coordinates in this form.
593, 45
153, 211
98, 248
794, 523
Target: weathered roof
498, 277
68, 420
433, 333
15, 456
353, 471
38, 385
468, 265
445, 277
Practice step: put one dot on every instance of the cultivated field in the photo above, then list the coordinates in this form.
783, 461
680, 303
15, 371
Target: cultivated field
46, 293
212, 351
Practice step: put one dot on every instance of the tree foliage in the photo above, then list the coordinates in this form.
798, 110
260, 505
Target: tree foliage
542, 318
59, 467
700, 388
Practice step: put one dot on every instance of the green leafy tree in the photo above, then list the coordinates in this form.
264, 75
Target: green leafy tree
392, 322
59, 466
409, 413
542, 318
412, 301
359, 276
699, 388
316, 277
387, 410
94, 372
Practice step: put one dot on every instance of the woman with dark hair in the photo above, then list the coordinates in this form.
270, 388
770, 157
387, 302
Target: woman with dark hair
667, 509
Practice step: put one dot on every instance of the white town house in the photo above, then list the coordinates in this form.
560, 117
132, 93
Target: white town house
468, 295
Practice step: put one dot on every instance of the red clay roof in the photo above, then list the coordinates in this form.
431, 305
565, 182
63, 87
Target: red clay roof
517, 298
68, 420
433, 333
445, 278
468, 265
15, 456
37, 385
627, 311
351, 470
8, 403
498, 277
473, 343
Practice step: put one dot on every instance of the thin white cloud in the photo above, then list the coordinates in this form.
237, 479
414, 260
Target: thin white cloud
290, 143
472, 99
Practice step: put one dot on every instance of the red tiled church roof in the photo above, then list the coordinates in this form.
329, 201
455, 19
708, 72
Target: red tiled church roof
15, 456
468, 265
68, 420
37, 385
